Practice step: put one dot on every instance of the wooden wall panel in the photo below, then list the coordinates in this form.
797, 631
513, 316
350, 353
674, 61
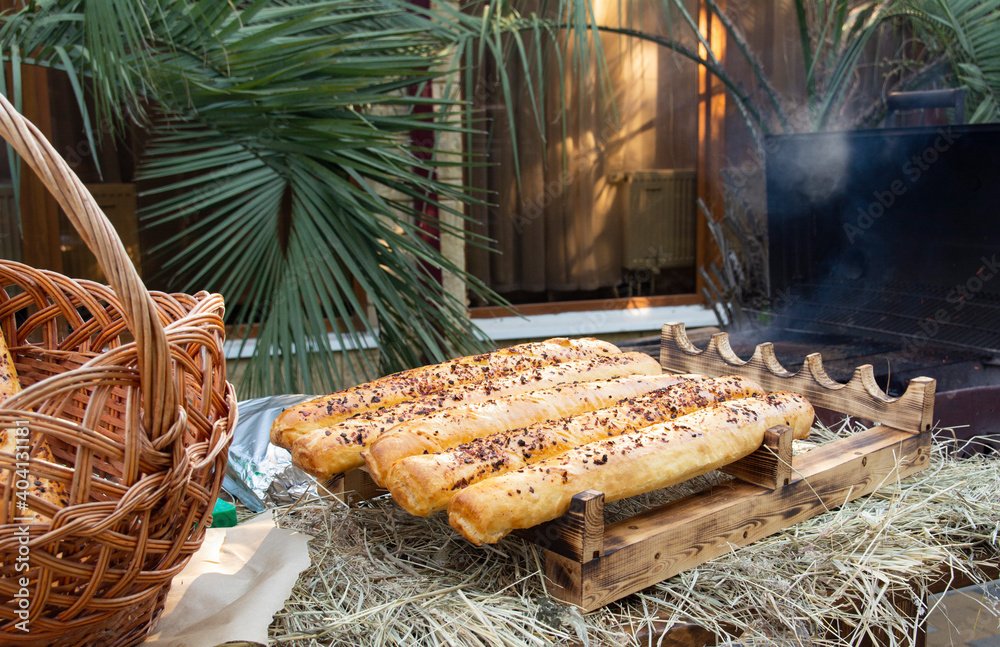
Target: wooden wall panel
559, 229
39, 210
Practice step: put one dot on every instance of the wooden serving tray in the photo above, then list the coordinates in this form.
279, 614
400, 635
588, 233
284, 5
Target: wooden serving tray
590, 563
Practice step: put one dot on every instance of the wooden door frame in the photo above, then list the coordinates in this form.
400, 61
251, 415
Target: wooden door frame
712, 104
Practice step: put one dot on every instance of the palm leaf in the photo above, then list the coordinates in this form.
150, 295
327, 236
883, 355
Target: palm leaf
967, 32
279, 133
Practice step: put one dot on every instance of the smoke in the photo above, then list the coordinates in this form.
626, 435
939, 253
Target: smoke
882, 240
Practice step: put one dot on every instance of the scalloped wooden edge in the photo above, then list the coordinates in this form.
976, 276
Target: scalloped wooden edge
861, 397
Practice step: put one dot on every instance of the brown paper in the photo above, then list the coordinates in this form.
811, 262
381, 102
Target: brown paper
233, 585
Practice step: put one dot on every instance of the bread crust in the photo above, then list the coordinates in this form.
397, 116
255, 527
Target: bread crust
649, 459
425, 483
323, 411
9, 384
443, 430
50, 491
326, 452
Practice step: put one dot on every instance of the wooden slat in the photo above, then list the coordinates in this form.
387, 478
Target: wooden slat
712, 158
771, 465
861, 397
354, 485
685, 634
651, 547
39, 211
578, 534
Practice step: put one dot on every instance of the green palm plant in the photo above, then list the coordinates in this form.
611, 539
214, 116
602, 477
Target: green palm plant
964, 35
958, 45
281, 136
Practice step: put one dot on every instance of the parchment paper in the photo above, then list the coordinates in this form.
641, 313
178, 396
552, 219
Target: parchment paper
233, 585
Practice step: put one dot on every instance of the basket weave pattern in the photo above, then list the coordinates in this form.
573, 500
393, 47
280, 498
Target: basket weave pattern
128, 390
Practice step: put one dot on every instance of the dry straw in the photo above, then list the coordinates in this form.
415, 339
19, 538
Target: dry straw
382, 577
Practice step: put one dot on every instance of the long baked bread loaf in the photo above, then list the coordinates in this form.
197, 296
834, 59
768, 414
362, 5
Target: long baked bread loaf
449, 428
425, 483
325, 452
326, 410
43, 488
624, 466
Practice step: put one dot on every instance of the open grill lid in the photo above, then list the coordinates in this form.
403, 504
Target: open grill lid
888, 234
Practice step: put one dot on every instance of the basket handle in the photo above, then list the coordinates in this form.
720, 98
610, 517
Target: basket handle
159, 394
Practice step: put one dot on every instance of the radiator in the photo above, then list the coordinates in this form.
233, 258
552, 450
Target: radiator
659, 219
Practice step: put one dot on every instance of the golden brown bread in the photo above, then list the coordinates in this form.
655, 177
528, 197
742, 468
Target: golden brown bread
413, 384
43, 488
451, 427
624, 466
325, 452
425, 483
9, 384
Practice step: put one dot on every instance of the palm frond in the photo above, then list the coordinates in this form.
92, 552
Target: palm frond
280, 142
281, 138
966, 32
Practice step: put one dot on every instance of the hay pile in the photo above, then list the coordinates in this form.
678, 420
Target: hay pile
382, 577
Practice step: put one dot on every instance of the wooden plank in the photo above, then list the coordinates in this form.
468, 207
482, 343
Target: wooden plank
915, 634
354, 485
949, 580
861, 397
578, 534
712, 158
41, 246
654, 546
722, 498
771, 465
563, 578
118, 202
686, 634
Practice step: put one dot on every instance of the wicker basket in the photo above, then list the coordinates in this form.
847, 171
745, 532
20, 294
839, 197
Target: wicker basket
129, 391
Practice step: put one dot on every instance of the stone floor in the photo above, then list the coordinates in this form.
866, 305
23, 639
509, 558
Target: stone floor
966, 617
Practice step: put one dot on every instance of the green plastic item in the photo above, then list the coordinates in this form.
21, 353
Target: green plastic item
224, 514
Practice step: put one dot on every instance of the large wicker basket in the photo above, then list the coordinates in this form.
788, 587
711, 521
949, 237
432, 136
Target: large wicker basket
129, 391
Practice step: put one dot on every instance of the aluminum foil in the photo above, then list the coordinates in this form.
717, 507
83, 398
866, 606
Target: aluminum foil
260, 474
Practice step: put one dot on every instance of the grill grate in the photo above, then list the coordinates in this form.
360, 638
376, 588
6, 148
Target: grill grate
916, 315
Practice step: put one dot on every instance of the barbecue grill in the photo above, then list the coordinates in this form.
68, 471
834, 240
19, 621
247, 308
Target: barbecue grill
886, 243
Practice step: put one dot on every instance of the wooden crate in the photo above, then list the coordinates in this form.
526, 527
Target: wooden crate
590, 563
